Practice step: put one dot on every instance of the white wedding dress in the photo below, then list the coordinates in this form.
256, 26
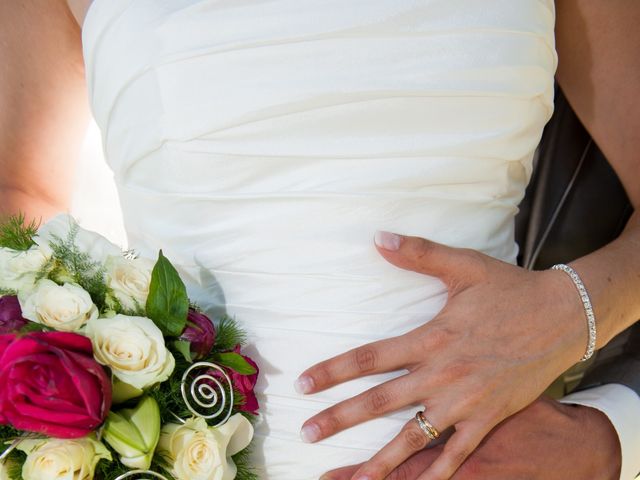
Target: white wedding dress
263, 142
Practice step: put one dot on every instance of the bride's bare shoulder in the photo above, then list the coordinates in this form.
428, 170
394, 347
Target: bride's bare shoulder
79, 9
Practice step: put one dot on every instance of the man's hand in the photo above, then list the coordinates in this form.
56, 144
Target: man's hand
546, 441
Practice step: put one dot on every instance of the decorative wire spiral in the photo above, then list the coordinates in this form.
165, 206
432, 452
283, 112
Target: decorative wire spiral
9, 449
207, 392
15, 443
135, 473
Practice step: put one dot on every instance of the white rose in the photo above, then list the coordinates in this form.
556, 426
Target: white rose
95, 245
133, 347
129, 279
200, 452
18, 269
66, 308
57, 459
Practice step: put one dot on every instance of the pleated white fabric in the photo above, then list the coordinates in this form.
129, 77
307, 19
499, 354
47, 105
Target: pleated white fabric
261, 143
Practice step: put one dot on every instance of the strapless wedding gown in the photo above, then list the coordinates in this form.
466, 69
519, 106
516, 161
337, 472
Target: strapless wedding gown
261, 143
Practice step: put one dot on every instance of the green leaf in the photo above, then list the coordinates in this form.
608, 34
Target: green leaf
33, 327
184, 348
235, 362
167, 303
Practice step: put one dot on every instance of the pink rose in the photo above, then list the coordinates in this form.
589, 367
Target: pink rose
200, 332
245, 384
52, 385
11, 319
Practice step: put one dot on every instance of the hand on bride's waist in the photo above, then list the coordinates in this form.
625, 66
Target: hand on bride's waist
504, 335
545, 441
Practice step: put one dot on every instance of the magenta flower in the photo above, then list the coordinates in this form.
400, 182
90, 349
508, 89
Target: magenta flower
52, 385
200, 332
245, 384
10, 315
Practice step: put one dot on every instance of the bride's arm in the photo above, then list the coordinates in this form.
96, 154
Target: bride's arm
599, 71
43, 105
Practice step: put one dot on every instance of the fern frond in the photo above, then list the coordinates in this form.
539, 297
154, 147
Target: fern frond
228, 334
16, 233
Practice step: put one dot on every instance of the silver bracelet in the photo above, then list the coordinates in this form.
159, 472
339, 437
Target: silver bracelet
588, 308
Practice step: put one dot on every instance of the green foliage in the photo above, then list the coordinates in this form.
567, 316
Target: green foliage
16, 234
235, 362
167, 303
69, 264
16, 458
108, 470
228, 334
33, 327
8, 434
245, 469
7, 291
168, 394
183, 347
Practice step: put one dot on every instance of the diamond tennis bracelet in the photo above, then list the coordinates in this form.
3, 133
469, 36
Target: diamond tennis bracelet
588, 308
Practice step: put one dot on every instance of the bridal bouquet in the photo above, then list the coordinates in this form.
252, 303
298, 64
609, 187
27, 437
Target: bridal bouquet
107, 370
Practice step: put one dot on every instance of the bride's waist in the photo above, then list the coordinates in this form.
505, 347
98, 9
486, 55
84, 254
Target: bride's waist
309, 233
283, 356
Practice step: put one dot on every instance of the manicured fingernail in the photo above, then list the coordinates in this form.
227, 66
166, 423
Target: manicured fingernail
363, 477
310, 433
387, 240
303, 385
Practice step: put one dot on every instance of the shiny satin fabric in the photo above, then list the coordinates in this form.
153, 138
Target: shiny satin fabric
262, 143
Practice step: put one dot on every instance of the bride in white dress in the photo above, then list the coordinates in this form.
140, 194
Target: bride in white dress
262, 144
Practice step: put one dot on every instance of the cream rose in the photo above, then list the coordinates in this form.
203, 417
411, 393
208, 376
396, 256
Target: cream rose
129, 279
133, 347
200, 452
91, 243
57, 459
66, 308
18, 269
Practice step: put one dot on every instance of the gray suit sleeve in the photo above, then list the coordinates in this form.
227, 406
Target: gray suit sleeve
618, 362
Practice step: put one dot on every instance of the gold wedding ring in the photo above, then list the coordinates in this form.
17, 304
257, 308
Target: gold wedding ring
428, 429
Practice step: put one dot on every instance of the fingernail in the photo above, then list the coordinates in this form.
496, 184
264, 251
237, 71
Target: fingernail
363, 477
303, 385
387, 240
310, 433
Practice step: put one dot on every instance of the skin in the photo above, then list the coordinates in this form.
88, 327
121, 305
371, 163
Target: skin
507, 454
43, 113
43, 106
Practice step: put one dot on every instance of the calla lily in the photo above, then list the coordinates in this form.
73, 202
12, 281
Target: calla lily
134, 433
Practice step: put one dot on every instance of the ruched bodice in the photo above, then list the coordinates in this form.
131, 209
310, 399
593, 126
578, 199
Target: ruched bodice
263, 142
